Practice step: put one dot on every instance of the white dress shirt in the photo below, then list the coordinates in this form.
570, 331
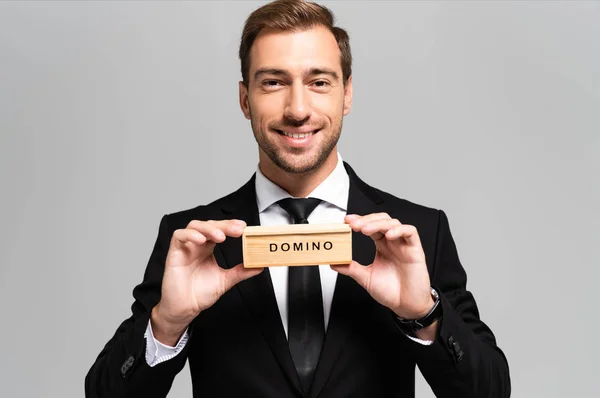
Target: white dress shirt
333, 192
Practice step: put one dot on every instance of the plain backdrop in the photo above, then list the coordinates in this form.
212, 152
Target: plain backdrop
115, 113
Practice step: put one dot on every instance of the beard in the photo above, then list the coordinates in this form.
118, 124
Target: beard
282, 159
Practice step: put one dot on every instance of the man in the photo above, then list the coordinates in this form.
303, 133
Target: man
354, 330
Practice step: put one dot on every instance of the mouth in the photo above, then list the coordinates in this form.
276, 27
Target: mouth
297, 139
297, 136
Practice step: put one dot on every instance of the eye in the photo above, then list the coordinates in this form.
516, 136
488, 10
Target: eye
271, 84
322, 85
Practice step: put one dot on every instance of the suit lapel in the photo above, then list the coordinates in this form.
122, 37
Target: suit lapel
362, 199
258, 292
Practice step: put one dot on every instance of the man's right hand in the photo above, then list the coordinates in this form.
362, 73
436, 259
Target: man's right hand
193, 281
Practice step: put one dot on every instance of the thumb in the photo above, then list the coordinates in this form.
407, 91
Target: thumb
235, 275
356, 271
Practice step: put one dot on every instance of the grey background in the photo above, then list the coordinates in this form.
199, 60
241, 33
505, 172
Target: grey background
114, 113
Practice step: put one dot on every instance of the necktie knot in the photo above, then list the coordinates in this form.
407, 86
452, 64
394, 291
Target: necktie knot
299, 208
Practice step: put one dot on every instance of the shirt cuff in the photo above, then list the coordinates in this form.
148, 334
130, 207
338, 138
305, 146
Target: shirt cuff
157, 352
424, 342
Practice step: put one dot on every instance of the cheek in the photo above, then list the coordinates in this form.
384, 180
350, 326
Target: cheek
267, 108
330, 107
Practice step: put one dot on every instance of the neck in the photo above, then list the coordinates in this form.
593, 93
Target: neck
298, 185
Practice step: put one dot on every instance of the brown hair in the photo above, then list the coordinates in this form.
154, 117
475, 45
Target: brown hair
292, 15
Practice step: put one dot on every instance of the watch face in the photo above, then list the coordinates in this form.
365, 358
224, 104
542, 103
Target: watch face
414, 325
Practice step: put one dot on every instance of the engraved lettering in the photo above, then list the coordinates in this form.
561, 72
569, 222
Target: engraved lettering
300, 246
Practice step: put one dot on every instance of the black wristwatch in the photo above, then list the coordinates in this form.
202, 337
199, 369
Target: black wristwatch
410, 326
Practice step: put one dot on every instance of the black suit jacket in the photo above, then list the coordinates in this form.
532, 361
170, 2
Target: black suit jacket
238, 348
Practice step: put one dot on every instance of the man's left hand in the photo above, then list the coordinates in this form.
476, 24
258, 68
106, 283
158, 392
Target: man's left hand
398, 277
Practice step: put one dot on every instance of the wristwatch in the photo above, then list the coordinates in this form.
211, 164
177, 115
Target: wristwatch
410, 326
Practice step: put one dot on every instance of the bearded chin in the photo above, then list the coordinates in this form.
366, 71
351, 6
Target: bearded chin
287, 163
305, 166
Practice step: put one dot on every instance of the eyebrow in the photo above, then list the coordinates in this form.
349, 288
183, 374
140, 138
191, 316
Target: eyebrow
309, 72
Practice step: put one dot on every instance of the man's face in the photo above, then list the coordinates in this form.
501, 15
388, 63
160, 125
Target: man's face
296, 98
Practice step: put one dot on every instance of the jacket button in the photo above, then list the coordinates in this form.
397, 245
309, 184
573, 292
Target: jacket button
458, 353
126, 366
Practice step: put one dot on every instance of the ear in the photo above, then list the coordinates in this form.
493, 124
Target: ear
348, 96
244, 99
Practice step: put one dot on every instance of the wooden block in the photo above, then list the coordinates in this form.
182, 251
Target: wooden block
297, 244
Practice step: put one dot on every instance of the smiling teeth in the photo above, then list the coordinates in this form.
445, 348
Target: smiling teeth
303, 135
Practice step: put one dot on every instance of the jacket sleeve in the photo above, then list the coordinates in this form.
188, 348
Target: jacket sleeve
464, 360
121, 370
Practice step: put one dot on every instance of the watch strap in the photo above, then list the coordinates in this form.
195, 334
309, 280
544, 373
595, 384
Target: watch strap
409, 326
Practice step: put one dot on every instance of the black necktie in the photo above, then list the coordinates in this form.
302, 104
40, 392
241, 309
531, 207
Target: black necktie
306, 324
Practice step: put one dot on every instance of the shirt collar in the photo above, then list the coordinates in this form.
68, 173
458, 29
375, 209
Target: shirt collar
334, 189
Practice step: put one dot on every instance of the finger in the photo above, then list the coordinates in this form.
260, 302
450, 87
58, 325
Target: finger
183, 236
209, 230
367, 217
235, 275
358, 221
351, 217
231, 228
381, 226
408, 232
360, 273
218, 223
218, 230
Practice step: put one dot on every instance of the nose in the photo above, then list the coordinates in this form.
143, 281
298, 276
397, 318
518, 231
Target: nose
298, 103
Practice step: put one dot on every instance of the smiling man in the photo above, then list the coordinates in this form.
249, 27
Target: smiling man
354, 330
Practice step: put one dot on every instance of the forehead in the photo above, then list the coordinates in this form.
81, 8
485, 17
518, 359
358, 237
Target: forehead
295, 51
